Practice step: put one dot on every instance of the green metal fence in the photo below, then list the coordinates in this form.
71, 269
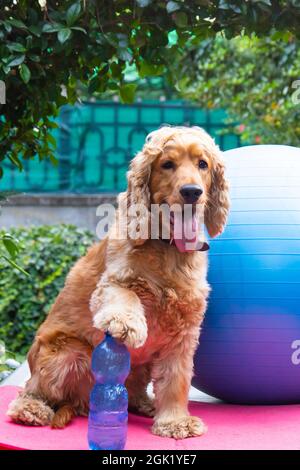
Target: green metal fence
97, 140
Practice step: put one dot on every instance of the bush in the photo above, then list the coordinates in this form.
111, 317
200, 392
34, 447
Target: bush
8, 362
255, 79
47, 253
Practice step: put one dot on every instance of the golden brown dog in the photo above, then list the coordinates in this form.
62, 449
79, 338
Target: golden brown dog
148, 293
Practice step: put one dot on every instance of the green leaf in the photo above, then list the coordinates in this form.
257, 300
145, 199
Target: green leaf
172, 6
181, 19
97, 84
7, 26
64, 35
223, 5
51, 140
54, 160
25, 73
10, 245
113, 85
18, 60
16, 161
6, 70
143, 3
116, 70
124, 54
77, 28
17, 23
15, 265
73, 13
148, 70
15, 46
34, 57
52, 27
266, 2
36, 30
52, 124
127, 92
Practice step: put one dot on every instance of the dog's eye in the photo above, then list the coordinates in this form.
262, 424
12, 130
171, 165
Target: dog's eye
168, 165
203, 164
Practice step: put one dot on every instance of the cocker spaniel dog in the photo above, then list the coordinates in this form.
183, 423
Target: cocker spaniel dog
149, 292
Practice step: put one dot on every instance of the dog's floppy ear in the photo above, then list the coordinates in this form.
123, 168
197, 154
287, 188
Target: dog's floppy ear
218, 203
33, 353
138, 198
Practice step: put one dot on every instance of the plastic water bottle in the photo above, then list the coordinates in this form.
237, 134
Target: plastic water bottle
108, 416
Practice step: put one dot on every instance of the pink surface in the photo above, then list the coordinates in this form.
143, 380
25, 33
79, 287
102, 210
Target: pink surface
229, 427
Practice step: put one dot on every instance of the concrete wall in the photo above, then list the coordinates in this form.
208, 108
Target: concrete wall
40, 209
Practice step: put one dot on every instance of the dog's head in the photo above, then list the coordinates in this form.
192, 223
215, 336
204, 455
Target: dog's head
180, 166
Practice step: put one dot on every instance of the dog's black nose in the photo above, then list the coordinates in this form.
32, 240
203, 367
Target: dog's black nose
190, 193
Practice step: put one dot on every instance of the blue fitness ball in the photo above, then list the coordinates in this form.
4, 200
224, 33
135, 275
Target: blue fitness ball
249, 348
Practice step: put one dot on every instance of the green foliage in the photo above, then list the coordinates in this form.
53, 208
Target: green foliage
48, 47
7, 361
47, 253
9, 246
254, 80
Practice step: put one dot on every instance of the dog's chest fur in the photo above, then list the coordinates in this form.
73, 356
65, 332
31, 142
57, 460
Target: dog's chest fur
173, 290
172, 287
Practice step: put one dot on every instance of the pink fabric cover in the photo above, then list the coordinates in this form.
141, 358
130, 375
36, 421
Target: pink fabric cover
229, 427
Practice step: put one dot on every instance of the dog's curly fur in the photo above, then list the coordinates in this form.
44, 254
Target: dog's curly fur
143, 291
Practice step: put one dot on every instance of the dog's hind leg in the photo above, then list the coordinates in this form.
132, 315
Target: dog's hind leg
61, 380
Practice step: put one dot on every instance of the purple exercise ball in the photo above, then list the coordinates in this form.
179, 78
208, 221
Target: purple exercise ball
249, 348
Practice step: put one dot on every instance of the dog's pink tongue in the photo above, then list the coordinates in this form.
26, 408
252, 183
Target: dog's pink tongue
187, 240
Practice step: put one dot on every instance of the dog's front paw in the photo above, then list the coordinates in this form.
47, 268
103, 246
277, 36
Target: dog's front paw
187, 426
30, 411
130, 329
